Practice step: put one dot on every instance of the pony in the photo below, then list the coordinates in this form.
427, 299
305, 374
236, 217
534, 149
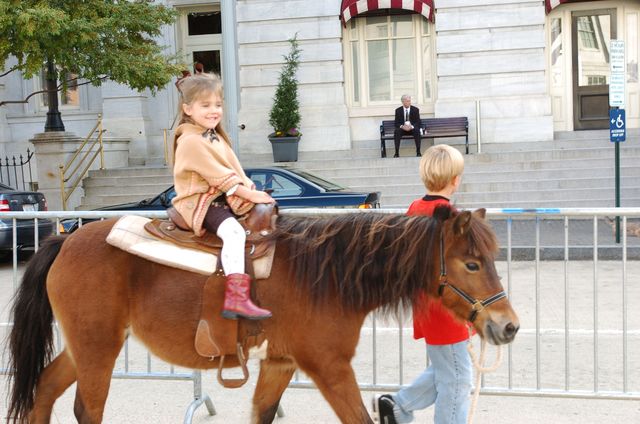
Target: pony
328, 274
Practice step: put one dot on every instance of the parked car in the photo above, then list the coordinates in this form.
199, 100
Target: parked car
291, 188
12, 200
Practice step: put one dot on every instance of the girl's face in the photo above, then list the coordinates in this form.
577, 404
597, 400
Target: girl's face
205, 111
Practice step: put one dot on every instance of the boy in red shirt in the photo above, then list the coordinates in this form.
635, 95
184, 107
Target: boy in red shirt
447, 380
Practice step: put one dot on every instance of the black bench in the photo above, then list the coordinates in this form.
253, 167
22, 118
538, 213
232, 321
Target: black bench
431, 128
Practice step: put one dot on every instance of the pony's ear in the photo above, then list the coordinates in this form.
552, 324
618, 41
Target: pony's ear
481, 213
462, 223
442, 212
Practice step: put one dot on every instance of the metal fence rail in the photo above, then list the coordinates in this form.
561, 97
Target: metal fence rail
568, 280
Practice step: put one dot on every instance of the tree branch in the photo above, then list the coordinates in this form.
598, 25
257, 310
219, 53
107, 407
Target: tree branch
58, 88
79, 84
9, 71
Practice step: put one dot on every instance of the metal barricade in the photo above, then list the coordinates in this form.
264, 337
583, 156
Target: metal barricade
566, 277
570, 283
134, 361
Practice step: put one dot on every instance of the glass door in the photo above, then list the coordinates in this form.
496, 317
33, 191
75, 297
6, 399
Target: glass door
591, 34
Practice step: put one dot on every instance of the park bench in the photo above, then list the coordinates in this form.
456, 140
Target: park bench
431, 128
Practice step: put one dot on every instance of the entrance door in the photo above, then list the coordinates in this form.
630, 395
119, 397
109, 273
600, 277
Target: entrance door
203, 39
591, 33
209, 59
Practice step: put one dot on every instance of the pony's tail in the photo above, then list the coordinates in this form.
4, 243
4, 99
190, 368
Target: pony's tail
31, 338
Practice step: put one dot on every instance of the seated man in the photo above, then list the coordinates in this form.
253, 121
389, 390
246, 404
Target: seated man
407, 123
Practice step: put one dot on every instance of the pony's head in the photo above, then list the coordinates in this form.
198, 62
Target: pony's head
468, 282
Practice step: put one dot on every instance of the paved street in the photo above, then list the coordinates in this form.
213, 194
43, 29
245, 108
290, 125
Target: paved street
148, 401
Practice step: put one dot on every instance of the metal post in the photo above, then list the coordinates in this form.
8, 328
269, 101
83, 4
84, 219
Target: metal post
478, 127
230, 76
617, 190
100, 141
62, 193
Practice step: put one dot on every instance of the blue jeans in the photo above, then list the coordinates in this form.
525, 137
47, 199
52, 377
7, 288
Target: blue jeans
446, 382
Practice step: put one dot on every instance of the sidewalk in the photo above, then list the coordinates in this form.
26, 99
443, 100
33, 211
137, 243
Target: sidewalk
156, 401
162, 402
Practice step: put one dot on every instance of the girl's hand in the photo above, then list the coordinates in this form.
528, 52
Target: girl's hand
260, 197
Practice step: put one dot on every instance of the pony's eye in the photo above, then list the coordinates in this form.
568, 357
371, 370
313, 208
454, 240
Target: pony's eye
472, 266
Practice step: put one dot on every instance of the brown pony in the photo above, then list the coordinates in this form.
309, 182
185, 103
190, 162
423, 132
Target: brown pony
328, 274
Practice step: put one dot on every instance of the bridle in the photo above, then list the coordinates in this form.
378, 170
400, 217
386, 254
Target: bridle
477, 306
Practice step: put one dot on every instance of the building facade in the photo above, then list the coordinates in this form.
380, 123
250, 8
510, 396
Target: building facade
526, 69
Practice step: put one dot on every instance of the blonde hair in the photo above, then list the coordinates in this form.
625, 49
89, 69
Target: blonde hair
196, 87
439, 166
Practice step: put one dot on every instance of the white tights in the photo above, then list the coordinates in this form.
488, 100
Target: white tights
233, 240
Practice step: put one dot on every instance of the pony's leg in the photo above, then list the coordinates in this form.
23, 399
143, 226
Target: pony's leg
54, 380
95, 353
337, 383
94, 380
273, 379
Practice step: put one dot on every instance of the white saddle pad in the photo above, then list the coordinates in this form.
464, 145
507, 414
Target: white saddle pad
129, 235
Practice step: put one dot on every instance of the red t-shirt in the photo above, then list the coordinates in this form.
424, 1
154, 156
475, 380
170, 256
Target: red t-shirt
434, 322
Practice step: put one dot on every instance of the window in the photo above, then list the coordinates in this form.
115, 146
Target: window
557, 59
389, 56
596, 80
203, 23
587, 33
280, 185
68, 96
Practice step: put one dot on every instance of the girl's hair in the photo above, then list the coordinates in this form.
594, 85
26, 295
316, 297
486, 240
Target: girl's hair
196, 87
439, 166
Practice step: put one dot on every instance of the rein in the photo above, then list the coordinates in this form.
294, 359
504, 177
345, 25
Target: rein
477, 306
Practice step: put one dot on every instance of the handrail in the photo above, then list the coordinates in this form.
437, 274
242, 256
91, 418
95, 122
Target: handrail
83, 159
165, 136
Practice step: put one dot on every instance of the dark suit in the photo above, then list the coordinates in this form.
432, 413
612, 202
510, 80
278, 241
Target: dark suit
414, 118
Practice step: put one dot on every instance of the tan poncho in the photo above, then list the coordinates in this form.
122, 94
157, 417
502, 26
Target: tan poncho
202, 171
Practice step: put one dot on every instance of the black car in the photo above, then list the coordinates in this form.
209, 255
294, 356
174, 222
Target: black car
12, 200
291, 188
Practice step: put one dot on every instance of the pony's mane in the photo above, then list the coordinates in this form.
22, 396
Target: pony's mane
369, 260
365, 260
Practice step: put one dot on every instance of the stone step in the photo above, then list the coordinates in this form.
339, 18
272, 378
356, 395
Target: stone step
479, 181
403, 202
123, 181
576, 169
137, 171
139, 191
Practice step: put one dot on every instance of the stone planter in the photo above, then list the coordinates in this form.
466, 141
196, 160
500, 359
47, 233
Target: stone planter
285, 149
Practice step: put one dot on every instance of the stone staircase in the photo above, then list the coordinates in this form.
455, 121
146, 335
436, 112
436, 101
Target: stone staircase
574, 170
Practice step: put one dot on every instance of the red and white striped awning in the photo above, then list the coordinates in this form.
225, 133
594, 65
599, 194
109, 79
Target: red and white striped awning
352, 8
552, 4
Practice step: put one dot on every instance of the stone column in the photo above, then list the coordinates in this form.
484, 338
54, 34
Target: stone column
230, 70
5, 135
55, 149
125, 114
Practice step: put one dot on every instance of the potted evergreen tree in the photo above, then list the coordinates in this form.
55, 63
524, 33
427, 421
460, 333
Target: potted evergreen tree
284, 116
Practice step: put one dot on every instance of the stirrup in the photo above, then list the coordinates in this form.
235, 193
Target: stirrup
234, 383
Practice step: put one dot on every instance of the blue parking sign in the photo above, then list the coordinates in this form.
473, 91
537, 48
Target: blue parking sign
617, 129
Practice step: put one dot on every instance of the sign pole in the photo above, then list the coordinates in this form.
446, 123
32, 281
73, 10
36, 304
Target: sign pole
617, 129
617, 191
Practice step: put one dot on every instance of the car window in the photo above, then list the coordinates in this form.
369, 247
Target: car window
281, 185
325, 184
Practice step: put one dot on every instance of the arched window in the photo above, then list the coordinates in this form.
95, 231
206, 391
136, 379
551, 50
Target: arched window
387, 56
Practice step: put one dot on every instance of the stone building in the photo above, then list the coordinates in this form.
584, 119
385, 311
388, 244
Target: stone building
526, 68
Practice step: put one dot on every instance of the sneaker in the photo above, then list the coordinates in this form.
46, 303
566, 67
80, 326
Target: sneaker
383, 407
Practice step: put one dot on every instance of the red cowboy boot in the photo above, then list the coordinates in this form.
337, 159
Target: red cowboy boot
237, 302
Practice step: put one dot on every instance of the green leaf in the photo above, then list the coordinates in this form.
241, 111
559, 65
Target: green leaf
284, 116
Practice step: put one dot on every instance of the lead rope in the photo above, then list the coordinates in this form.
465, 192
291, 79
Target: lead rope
480, 369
